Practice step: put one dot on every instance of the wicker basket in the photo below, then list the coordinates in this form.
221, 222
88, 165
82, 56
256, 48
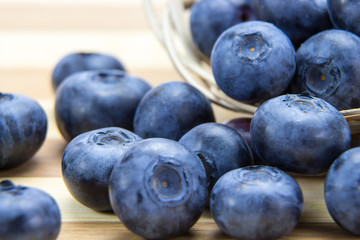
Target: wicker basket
172, 29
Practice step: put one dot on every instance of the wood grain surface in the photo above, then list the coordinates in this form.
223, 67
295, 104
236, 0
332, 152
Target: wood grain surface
34, 35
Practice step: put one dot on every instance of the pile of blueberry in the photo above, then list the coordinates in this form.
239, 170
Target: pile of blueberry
155, 155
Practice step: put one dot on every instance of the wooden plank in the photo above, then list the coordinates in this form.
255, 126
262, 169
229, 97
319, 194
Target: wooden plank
200, 231
45, 163
83, 223
314, 205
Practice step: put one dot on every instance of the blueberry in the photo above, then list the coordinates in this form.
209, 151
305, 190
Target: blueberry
242, 126
158, 188
256, 202
298, 19
299, 133
23, 127
219, 147
342, 195
90, 100
209, 18
345, 14
170, 110
253, 61
88, 161
27, 213
80, 61
328, 67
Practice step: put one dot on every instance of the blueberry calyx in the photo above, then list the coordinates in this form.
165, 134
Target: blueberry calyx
253, 174
6, 185
9, 187
86, 54
322, 77
6, 97
109, 76
111, 137
167, 182
304, 102
251, 47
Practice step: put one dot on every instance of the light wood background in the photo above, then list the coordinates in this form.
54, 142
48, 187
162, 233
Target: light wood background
35, 34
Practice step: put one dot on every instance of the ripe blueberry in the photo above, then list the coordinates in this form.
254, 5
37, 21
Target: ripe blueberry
90, 100
27, 213
256, 202
80, 61
23, 127
253, 61
299, 133
342, 195
209, 18
170, 110
328, 68
88, 161
219, 147
158, 189
298, 19
242, 126
345, 14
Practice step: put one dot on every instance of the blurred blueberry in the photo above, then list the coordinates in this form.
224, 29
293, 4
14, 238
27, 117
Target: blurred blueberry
256, 203
342, 195
170, 110
345, 14
253, 61
209, 18
298, 19
80, 61
328, 68
158, 189
219, 147
299, 133
27, 213
96, 99
88, 161
23, 127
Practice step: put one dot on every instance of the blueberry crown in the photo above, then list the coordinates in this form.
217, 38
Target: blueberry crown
111, 137
8, 186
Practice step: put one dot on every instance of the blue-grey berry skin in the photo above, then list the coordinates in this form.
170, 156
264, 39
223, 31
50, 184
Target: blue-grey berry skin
219, 147
345, 14
242, 126
342, 194
158, 189
299, 19
88, 161
299, 133
81, 61
170, 110
209, 18
23, 128
27, 213
96, 99
253, 61
328, 68
256, 202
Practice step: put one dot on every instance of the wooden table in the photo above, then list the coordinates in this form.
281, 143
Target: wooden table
35, 34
